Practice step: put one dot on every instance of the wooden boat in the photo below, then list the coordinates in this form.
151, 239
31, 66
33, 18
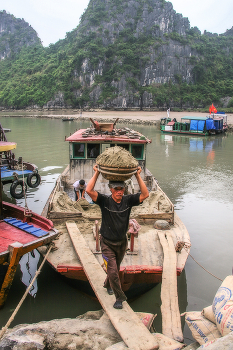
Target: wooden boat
199, 126
68, 119
21, 231
17, 172
142, 266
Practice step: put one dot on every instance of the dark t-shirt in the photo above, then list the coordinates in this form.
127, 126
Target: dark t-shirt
115, 216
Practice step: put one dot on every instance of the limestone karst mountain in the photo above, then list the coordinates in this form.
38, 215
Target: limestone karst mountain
123, 54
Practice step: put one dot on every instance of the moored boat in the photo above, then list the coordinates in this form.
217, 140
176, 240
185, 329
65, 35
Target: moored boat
142, 265
16, 172
21, 231
67, 119
193, 125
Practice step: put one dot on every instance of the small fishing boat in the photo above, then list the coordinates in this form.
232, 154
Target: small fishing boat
17, 172
142, 265
68, 119
21, 231
199, 126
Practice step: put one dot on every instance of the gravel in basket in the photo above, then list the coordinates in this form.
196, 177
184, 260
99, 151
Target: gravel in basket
117, 164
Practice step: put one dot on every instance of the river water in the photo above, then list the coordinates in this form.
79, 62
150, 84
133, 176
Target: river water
197, 175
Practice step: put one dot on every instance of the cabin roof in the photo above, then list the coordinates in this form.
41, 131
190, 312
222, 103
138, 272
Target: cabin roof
94, 136
202, 118
194, 118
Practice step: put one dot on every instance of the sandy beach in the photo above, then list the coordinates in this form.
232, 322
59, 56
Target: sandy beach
146, 116
141, 116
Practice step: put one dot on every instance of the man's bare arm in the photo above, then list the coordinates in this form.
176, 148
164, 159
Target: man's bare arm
144, 191
91, 184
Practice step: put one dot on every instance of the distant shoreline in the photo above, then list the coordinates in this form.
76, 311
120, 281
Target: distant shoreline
138, 117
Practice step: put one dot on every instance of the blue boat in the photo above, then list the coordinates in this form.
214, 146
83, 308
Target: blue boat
200, 126
17, 172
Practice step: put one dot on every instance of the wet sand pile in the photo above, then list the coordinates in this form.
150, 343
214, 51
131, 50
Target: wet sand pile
63, 203
116, 157
156, 201
93, 211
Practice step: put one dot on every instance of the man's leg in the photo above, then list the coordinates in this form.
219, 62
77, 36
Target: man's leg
75, 195
112, 260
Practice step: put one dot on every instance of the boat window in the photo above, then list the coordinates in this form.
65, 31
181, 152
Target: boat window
137, 151
93, 150
79, 150
124, 145
105, 146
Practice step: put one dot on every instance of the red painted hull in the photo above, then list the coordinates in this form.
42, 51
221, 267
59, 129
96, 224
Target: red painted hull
10, 234
129, 275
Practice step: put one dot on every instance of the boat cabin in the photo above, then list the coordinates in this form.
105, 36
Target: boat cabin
86, 144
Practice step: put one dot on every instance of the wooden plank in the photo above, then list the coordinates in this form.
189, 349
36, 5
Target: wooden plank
15, 255
133, 332
171, 322
64, 215
157, 216
176, 320
165, 289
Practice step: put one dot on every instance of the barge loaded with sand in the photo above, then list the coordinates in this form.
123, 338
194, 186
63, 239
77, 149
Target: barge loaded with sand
142, 265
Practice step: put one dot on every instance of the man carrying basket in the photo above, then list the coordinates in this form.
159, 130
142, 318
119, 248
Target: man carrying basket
115, 210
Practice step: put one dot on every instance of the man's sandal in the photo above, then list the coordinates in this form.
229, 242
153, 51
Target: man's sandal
118, 304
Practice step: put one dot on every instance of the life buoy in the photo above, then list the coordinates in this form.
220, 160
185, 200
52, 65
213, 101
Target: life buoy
15, 187
31, 182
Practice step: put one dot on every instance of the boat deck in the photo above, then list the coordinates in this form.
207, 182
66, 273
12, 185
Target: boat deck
8, 174
31, 232
146, 258
10, 234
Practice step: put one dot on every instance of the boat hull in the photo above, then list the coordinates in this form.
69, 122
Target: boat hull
177, 132
20, 232
136, 278
142, 266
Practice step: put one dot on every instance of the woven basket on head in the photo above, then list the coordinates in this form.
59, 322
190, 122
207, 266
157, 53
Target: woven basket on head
117, 164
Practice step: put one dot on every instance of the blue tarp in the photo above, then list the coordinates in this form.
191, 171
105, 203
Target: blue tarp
197, 125
6, 173
193, 125
201, 124
210, 124
218, 124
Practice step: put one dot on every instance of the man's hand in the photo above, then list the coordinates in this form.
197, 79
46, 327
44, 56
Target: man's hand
144, 191
95, 168
139, 170
91, 184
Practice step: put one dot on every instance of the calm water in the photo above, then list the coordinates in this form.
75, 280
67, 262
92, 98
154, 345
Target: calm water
197, 175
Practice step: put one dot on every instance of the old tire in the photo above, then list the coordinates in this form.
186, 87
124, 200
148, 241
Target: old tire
16, 189
33, 180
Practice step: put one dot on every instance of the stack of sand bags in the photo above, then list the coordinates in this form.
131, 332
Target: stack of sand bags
212, 327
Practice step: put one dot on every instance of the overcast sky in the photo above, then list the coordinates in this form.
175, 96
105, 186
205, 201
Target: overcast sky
52, 19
